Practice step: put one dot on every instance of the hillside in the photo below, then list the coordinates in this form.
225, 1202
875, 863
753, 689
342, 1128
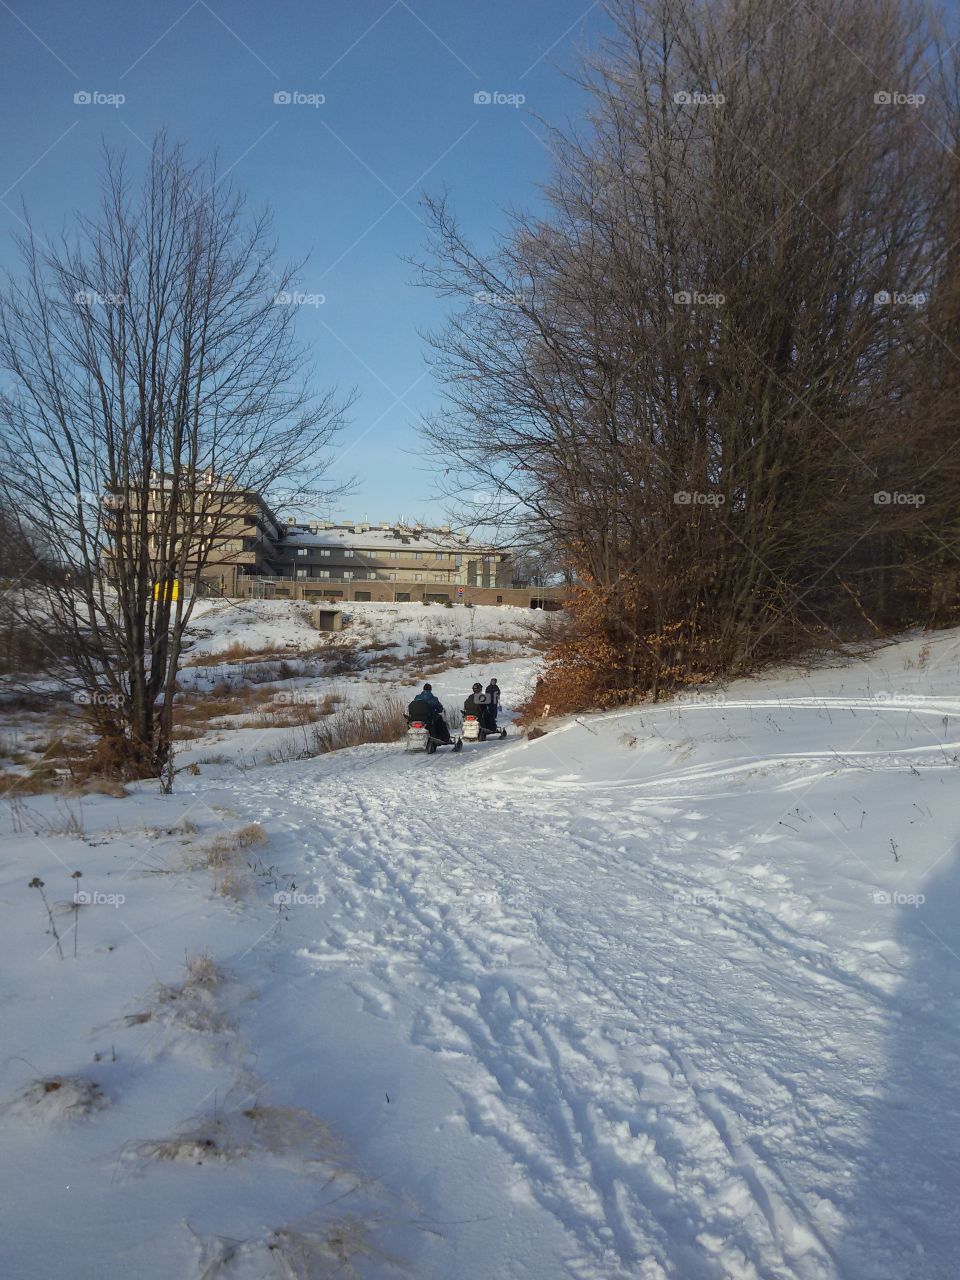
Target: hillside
666, 993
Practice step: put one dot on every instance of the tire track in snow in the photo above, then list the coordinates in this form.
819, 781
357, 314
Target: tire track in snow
611, 1203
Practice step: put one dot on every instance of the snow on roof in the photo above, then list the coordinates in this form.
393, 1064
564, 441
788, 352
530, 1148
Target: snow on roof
392, 538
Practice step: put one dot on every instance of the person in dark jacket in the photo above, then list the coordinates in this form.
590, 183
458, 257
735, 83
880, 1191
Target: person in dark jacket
426, 706
492, 706
475, 703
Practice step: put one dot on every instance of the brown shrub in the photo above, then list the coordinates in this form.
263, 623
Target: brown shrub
602, 660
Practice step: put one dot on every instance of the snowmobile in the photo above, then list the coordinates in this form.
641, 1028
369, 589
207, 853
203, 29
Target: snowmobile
419, 738
473, 731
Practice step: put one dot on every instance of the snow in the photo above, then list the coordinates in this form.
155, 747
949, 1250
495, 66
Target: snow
285, 624
391, 538
670, 992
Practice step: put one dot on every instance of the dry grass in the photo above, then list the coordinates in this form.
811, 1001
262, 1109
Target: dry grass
250, 708
205, 1144
46, 764
285, 1133
292, 711
357, 726
231, 885
35, 782
342, 659
187, 732
56, 1099
434, 647
201, 709
100, 787
234, 653
223, 851
137, 1019
193, 1004
291, 1131
304, 1253
387, 660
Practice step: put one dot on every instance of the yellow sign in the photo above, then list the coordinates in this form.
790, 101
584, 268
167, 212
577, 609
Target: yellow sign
170, 589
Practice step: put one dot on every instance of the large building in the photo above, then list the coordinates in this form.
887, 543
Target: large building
324, 560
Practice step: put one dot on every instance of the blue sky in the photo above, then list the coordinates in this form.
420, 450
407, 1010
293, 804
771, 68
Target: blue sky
343, 178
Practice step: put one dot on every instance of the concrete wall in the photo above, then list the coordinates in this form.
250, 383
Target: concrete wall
390, 592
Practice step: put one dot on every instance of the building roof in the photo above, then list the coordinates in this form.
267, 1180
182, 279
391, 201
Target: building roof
382, 538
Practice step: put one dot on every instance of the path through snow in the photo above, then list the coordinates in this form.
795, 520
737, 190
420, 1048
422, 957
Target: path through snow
652, 957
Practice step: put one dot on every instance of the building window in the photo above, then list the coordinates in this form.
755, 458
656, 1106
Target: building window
458, 561
372, 574
418, 577
324, 573
301, 551
324, 551
418, 555
348, 553
392, 577
302, 573
394, 555
347, 575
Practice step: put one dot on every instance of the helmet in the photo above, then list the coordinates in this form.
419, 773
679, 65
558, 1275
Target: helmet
477, 687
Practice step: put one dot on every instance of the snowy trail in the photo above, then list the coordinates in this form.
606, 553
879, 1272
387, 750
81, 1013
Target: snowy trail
668, 1037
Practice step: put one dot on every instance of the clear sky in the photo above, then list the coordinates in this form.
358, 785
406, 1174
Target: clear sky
343, 178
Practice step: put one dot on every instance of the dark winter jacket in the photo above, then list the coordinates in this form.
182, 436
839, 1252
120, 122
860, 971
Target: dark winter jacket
472, 707
432, 701
493, 695
420, 709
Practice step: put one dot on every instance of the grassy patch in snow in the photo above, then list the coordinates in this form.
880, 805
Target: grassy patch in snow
57, 1099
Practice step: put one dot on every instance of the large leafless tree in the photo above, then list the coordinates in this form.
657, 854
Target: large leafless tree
726, 339
153, 378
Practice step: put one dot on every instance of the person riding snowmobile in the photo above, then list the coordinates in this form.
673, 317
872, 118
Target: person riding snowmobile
475, 703
426, 706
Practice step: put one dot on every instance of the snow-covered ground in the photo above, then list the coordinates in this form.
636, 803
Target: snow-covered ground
669, 992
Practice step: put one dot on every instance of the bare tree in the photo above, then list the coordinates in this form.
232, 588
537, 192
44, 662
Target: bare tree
697, 371
155, 383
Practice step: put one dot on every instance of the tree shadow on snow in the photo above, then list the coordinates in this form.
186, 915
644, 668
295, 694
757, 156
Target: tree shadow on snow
904, 1211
